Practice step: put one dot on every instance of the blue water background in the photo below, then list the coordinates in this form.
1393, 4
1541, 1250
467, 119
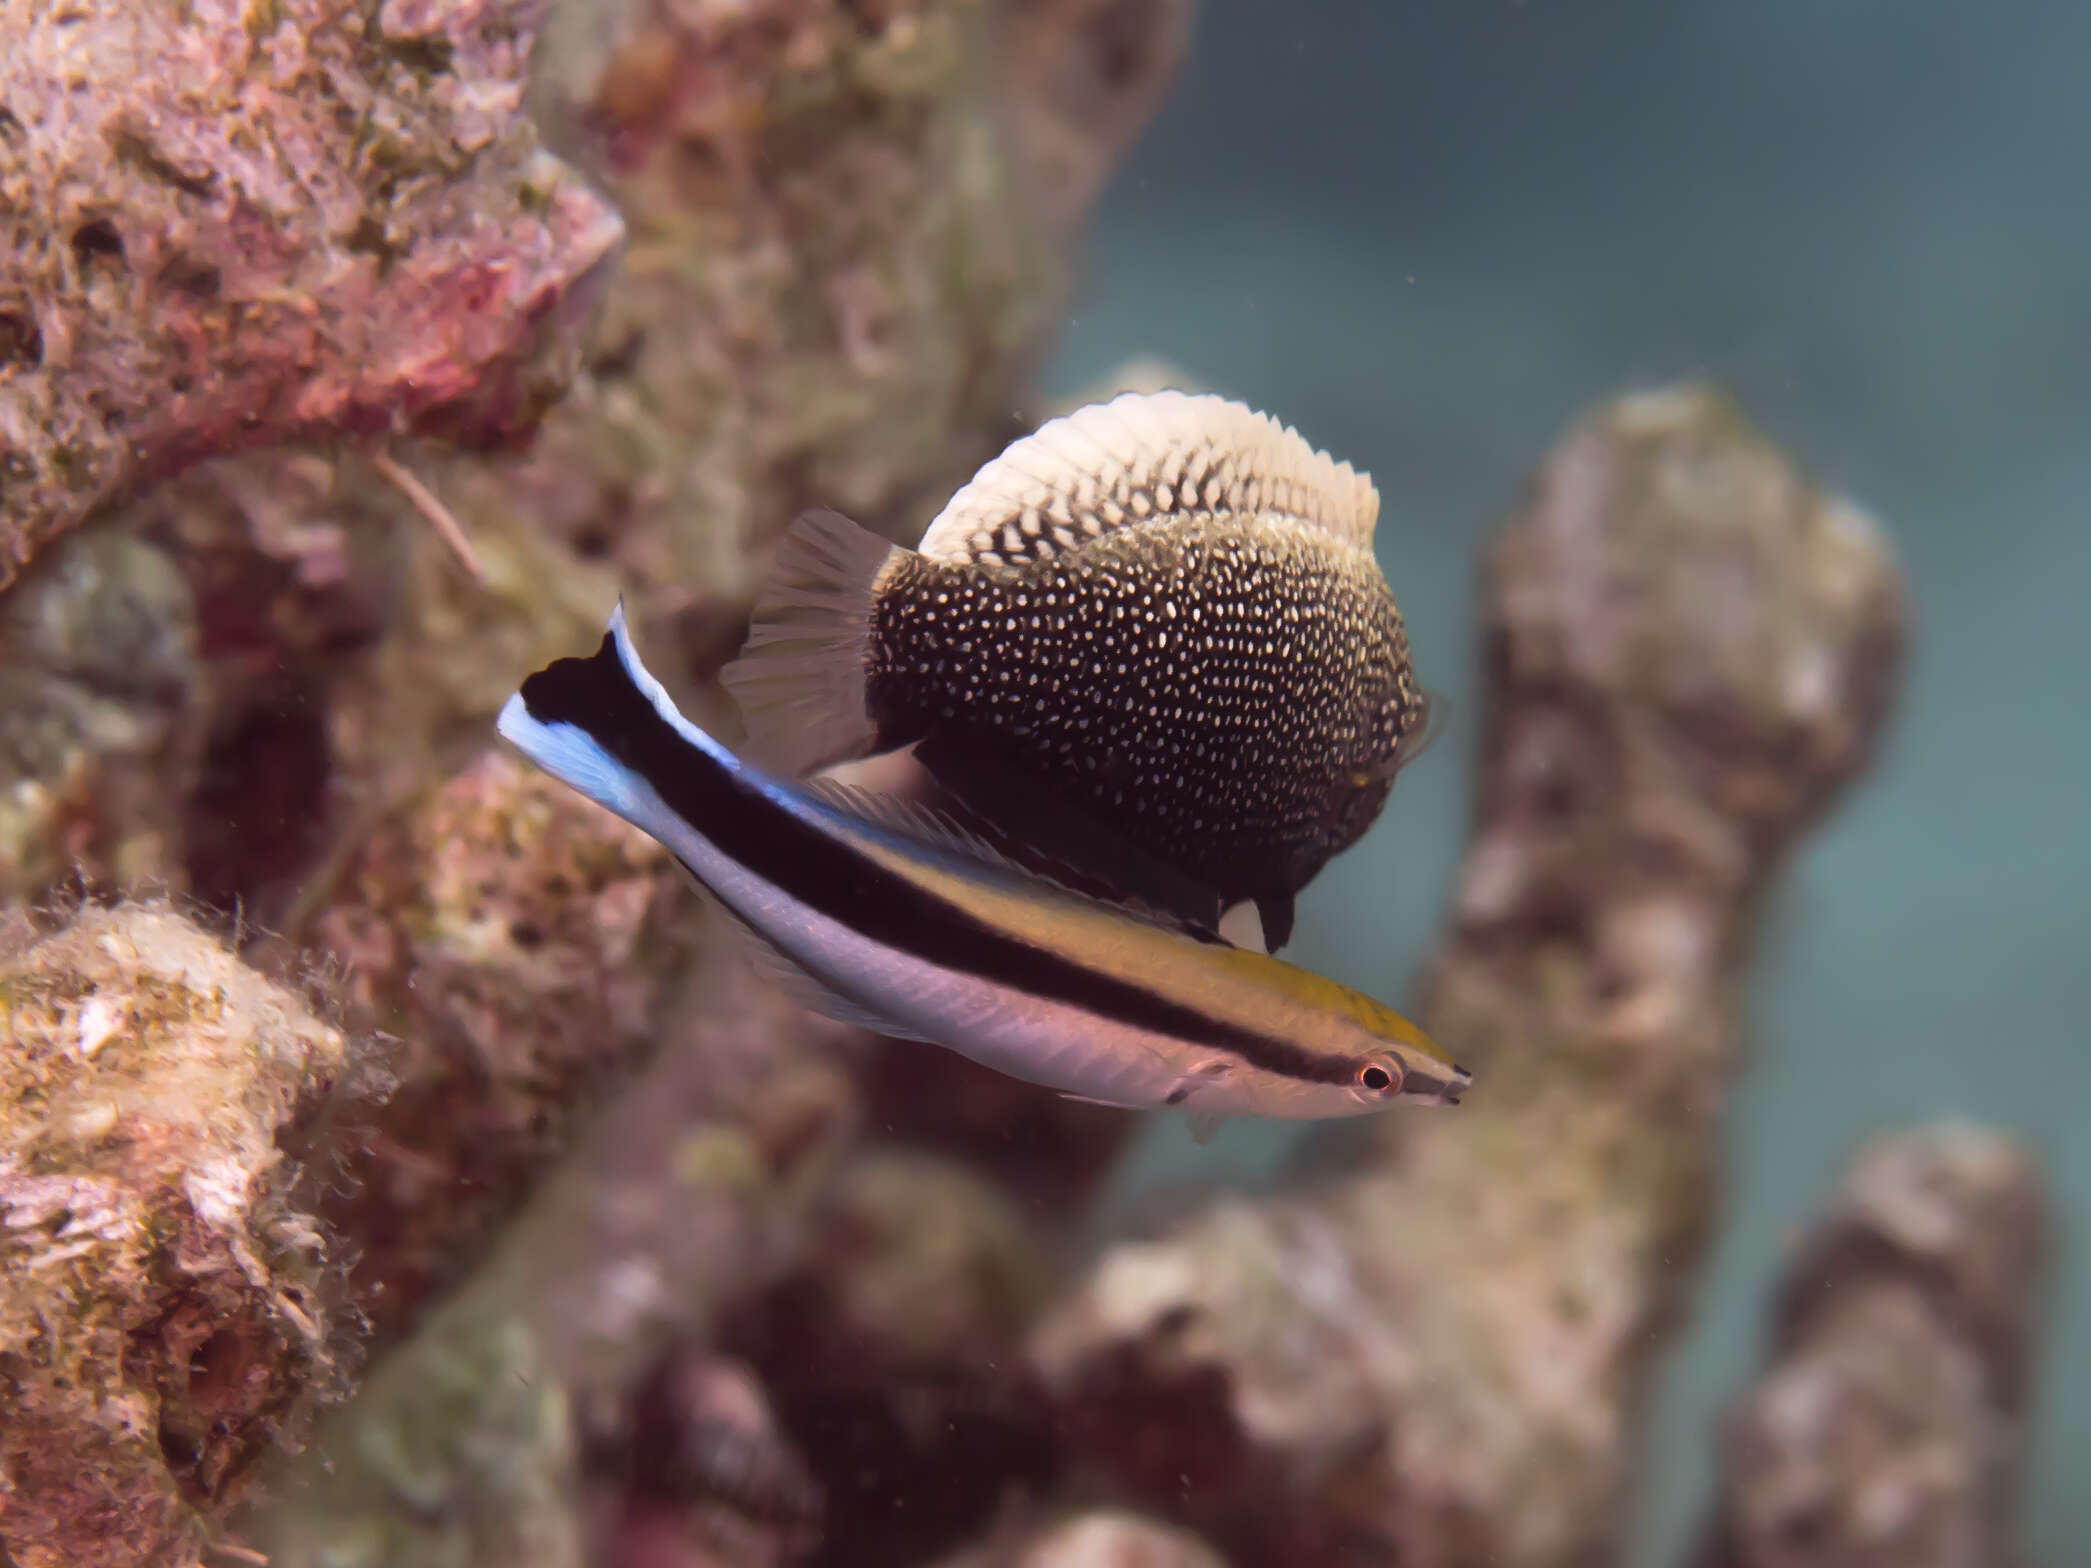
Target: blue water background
1430, 232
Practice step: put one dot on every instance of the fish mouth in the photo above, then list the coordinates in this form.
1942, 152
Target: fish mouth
1437, 1087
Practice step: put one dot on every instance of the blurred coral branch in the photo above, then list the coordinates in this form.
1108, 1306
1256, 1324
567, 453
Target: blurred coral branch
1890, 1425
1440, 1360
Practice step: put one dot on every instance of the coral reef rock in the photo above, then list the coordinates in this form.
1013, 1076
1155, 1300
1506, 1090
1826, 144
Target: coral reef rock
885, 1351
166, 1314
837, 280
294, 573
460, 1448
917, 1263
1078, 80
1889, 1427
1051, 1151
102, 698
699, 1472
833, 290
1440, 1358
518, 942
232, 224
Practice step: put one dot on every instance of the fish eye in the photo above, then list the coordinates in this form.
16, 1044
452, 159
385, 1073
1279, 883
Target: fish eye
1379, 1077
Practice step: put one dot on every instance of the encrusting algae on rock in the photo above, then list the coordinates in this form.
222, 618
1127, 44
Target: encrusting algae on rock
884, 1348
235, 223
168, 1307
461, 1445
521, 947
696, 1469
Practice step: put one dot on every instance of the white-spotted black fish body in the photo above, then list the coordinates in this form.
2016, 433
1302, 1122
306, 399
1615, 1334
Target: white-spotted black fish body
1151, 637
874, 913
1226, 693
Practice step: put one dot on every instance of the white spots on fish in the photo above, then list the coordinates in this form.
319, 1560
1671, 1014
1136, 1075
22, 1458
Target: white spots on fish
1149, 672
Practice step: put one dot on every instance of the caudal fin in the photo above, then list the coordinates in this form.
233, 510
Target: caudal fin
604, 726
800, 676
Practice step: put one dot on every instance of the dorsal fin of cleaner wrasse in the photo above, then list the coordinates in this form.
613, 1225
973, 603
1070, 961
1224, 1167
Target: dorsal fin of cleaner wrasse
1062, 836
1143, 459
915, 823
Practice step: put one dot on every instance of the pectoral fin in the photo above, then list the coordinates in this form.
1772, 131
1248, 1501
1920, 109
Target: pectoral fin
799, 680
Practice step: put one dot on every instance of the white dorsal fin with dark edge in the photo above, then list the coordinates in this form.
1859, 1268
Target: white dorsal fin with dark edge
1146, 457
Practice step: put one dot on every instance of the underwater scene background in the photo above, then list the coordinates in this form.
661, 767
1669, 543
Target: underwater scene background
401, 1167
1430, 233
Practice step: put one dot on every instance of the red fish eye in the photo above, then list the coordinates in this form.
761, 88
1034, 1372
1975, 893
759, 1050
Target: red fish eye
1376, 1078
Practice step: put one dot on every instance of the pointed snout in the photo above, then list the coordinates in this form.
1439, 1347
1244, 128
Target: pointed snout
1436, 1083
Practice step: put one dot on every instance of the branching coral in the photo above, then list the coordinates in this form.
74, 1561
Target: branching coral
1689, 652
460, 1448
1889, 1427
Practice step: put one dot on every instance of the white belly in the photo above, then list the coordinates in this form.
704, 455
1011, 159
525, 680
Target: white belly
1058, 1045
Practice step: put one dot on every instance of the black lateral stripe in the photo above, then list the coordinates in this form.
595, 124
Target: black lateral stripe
597, 696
